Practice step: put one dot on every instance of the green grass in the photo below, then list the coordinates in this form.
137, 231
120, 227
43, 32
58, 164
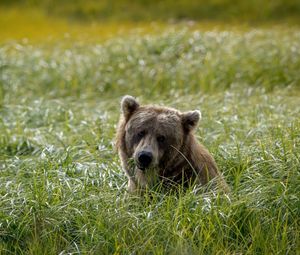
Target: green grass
61, 186
252, 11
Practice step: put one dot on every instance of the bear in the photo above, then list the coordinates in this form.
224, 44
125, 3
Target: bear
157, 144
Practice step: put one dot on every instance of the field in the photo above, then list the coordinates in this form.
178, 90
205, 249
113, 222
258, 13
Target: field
62, 190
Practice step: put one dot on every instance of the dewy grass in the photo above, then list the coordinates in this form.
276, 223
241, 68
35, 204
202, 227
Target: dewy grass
61, 185
174, 63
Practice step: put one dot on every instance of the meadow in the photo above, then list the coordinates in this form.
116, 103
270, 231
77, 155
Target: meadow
62, 190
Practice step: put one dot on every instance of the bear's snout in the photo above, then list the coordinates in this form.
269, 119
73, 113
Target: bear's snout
144, 159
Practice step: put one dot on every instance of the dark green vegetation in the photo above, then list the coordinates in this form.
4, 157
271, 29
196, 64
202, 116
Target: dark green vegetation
252, 11
61, 186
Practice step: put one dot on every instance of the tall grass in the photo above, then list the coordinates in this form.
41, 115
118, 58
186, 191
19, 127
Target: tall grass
175, 62
61, 186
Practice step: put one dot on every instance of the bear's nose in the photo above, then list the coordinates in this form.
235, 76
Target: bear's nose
144, 158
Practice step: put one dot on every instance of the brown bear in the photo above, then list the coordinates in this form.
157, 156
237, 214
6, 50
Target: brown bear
157, 144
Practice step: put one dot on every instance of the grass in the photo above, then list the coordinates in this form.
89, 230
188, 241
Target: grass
35, 26
252, 11
61, 186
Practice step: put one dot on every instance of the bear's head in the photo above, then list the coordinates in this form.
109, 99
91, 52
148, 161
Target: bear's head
155, 135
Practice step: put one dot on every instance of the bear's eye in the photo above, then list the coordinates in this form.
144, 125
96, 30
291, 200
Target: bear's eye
161, 138
141, 134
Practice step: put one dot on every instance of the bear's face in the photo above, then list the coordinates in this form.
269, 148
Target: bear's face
154, 135
151, 134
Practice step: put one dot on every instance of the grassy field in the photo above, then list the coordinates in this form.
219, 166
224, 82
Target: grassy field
62, 190
252, 11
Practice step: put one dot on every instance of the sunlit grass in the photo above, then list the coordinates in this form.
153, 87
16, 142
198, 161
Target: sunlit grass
170, 64
62, 189
61, 186
35, 26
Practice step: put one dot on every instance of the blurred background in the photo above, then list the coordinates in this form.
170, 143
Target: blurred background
38, 20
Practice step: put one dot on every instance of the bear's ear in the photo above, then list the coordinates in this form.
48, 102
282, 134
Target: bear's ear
128, 106
190, 120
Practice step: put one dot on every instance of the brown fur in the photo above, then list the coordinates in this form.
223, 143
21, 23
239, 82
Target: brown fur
179, 159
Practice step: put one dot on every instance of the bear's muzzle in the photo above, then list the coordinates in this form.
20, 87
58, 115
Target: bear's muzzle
144, 159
